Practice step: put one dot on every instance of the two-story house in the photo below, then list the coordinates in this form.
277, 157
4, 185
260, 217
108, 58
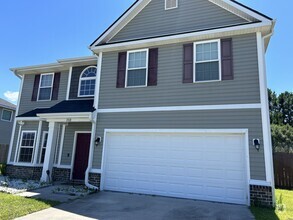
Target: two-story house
7, 114
174, 104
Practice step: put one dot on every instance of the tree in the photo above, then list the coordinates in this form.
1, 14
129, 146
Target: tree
282, 138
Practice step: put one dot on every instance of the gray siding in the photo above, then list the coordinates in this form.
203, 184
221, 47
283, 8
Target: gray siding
69, 139
213, 119
25, 100
28, 126
193, 15
6, 128
76, 71
170, 90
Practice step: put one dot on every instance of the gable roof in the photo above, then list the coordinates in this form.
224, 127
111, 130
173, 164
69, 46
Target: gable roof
232, 6
6, 104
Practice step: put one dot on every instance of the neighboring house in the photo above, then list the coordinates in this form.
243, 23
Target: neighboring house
7, 114
174, 104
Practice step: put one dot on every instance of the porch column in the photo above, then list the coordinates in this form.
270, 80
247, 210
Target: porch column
50, 149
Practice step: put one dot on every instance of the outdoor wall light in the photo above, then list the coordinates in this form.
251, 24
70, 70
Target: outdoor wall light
98, 141
256, 144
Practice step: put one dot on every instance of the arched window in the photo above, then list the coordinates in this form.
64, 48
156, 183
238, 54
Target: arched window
87, 82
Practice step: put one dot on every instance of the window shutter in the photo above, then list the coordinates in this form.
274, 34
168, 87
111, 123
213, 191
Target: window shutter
153, 67
121, 70
36, 87
227, 59
188, 63
56, 86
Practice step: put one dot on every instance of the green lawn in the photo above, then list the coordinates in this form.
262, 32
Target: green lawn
271, 214
15, 206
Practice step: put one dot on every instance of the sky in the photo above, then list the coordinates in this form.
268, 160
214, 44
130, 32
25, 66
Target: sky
36, 32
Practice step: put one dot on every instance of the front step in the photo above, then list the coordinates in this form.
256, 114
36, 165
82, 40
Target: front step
77, 182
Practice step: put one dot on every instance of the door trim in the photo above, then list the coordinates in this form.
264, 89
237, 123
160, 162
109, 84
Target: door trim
74, 149
243, 132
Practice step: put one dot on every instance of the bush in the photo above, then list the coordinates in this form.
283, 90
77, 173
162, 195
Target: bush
3, 169
282, 138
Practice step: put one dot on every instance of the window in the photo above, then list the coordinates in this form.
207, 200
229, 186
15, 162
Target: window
45, 88
171, 4
27, 144
87, 82
207, 61
43, 147
6, 115
136, 70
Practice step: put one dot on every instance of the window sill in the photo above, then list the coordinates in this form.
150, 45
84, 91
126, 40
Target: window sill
207, 81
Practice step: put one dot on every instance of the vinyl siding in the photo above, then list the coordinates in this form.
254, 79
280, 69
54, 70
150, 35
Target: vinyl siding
6, 128
69, 139
193, 15
25, 101
170, 91
212, 119
76, 71
28, 126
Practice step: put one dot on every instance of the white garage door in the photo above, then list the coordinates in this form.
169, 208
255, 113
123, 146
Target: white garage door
185, 165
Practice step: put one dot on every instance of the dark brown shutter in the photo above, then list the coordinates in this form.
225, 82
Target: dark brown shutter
153, 67
227, 59
188, 63
36, 87
121, 70
56, 86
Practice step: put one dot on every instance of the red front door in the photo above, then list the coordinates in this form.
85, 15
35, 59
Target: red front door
81, 155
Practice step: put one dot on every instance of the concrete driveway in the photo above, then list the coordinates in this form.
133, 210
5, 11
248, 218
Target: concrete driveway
120, 206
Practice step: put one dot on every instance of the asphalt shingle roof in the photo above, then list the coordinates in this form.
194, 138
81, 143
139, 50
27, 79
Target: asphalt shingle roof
6, 104
72, 106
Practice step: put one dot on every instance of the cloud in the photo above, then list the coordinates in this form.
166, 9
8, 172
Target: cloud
11, 96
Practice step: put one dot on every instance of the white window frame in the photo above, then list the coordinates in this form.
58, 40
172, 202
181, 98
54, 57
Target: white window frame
8, 110
219, 60
172, 7
33, 147
87, 78
44, 87
147, 67
42, 146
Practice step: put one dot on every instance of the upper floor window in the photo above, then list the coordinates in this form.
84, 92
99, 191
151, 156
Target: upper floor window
45, 87
27, 144
87, 82
207, 61
170, 4
6, 115
137, 68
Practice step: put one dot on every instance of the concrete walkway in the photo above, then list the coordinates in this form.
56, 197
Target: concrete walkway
123, 206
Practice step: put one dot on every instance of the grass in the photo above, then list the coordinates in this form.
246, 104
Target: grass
12, 206
275, 214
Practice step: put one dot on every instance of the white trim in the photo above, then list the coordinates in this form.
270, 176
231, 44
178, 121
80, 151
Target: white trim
166, 9
11, 116
146, 67
46, 87
25, 164
61, 144
194, 36
42, 146
96, 171
98, 80
38, 142
259, 182
218, 41
14, 123
67, 117
20, 146
69, 83
244, 132
88, 78
27, 119
182, 108
18, 141
62, 166
74, 149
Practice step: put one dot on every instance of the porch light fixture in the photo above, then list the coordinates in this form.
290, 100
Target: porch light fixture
256, 144
98, 141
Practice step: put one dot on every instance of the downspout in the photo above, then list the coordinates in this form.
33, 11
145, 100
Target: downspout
94, 123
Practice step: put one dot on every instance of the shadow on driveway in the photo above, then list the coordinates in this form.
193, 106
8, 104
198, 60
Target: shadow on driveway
124, 206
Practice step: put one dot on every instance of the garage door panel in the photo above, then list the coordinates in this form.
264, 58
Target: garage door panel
195, 166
